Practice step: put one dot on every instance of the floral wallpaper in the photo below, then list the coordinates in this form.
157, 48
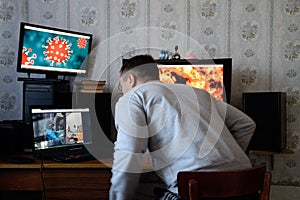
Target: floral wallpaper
262, 37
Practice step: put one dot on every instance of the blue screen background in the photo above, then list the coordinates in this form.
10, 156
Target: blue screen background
36, 39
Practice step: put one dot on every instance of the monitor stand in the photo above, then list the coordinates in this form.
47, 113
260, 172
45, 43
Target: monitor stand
52, 76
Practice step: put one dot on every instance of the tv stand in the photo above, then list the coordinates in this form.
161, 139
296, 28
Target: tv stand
52, 76
49, 76
28, 79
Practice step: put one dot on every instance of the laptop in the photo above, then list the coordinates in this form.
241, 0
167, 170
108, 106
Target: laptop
61, 133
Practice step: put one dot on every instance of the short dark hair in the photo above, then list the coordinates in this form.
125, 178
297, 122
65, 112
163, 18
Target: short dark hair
144, 66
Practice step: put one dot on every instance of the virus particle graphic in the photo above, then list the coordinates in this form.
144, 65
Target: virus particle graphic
81, 43
26, 58
57, 51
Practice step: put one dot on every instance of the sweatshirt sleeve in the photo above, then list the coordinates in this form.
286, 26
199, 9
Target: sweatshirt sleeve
240, 125
129, 150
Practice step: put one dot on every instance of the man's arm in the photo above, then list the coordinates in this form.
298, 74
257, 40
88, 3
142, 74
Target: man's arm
130, 147
125, 171
240, 125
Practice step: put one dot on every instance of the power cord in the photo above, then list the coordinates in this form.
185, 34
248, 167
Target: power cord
43, 180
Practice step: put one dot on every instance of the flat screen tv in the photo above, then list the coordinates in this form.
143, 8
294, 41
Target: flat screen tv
212, 75
52, 51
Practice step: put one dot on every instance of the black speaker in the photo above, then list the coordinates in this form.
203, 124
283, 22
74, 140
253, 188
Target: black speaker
11, 138
268, 110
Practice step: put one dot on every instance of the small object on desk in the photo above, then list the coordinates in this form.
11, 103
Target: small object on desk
164, 55
19, 160
176, 56
74, 158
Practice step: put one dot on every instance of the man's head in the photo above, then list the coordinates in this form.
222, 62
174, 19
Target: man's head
50, 124
138, 70
60, 123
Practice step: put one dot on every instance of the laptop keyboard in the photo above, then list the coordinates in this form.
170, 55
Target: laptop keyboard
67, 155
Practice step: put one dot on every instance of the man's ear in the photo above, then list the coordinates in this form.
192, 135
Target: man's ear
132, 80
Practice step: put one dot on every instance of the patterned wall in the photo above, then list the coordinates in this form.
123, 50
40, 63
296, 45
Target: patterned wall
262, 37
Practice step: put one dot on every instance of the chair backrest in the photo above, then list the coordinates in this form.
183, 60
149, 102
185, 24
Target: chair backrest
195, 185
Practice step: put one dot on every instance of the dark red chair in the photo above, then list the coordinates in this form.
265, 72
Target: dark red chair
251, 183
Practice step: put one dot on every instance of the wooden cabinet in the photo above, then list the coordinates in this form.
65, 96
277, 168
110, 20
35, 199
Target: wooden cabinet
77, 183
84, 180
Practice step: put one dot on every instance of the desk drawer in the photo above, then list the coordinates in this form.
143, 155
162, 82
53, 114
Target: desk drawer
20, 179
77, 183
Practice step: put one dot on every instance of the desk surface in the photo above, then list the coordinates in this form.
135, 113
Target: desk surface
104, 164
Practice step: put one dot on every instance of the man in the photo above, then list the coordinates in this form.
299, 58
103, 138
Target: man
180, 127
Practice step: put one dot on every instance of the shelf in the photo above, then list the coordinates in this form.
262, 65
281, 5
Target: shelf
271, 154
263, 152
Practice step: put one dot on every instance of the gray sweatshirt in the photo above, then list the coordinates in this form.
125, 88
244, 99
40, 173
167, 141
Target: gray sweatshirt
169, 128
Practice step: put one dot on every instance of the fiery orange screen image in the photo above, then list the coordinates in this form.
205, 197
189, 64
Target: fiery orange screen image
207, 77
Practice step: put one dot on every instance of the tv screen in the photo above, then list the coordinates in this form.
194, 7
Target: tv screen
52, 51
212, 75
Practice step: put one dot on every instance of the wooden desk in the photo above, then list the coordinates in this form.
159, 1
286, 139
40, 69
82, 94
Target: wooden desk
84, 180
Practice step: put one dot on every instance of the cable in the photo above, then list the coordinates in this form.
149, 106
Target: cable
43, 180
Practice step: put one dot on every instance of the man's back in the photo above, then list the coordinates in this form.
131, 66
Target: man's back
184, 129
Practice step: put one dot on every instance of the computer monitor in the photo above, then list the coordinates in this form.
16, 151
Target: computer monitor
52, 51
212, 75
59, 129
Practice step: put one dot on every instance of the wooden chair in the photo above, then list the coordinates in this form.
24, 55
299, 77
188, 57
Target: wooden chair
246, 183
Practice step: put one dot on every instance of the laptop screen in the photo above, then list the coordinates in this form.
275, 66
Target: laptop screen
60, 127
